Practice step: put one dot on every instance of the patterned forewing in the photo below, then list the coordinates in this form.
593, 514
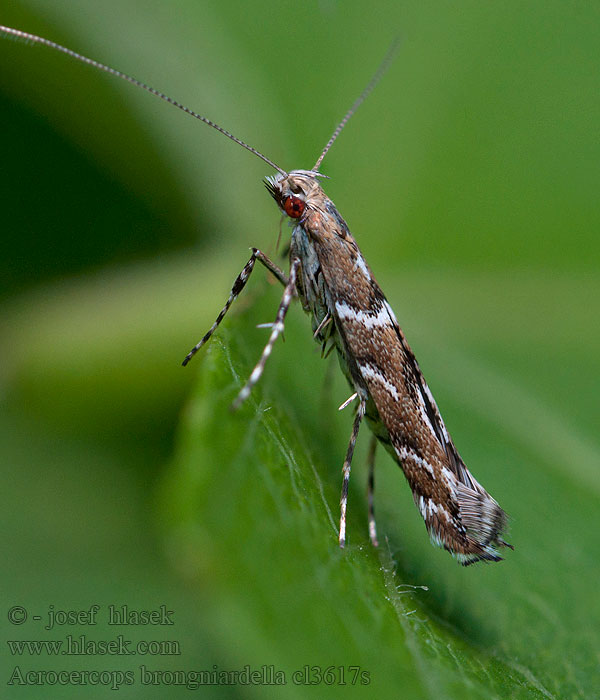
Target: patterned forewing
458, 512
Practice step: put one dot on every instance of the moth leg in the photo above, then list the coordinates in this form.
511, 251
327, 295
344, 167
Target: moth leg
286, 300
371, 491
346, 470
270, 265
326, 321
238, 286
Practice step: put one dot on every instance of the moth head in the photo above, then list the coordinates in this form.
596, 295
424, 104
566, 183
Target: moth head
292, 192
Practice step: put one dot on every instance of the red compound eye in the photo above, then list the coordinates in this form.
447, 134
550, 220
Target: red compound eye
294, 207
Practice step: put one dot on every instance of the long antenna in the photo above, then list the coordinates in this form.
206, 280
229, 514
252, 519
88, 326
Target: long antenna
24, 36
379, 73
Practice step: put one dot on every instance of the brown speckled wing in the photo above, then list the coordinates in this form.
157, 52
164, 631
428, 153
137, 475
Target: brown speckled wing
458, 512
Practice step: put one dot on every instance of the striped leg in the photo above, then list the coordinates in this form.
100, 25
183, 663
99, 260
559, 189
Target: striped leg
238, 285
346, 470
371, 490
286, 300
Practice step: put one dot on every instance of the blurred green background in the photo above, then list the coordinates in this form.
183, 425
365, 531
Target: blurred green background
469, 179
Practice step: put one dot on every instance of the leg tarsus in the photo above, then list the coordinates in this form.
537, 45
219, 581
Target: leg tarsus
346, 470
286, 300
238, 286
371, 492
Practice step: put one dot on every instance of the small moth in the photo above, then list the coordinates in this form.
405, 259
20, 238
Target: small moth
349, 313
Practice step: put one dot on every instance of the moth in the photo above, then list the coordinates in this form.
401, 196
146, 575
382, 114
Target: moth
349, 313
